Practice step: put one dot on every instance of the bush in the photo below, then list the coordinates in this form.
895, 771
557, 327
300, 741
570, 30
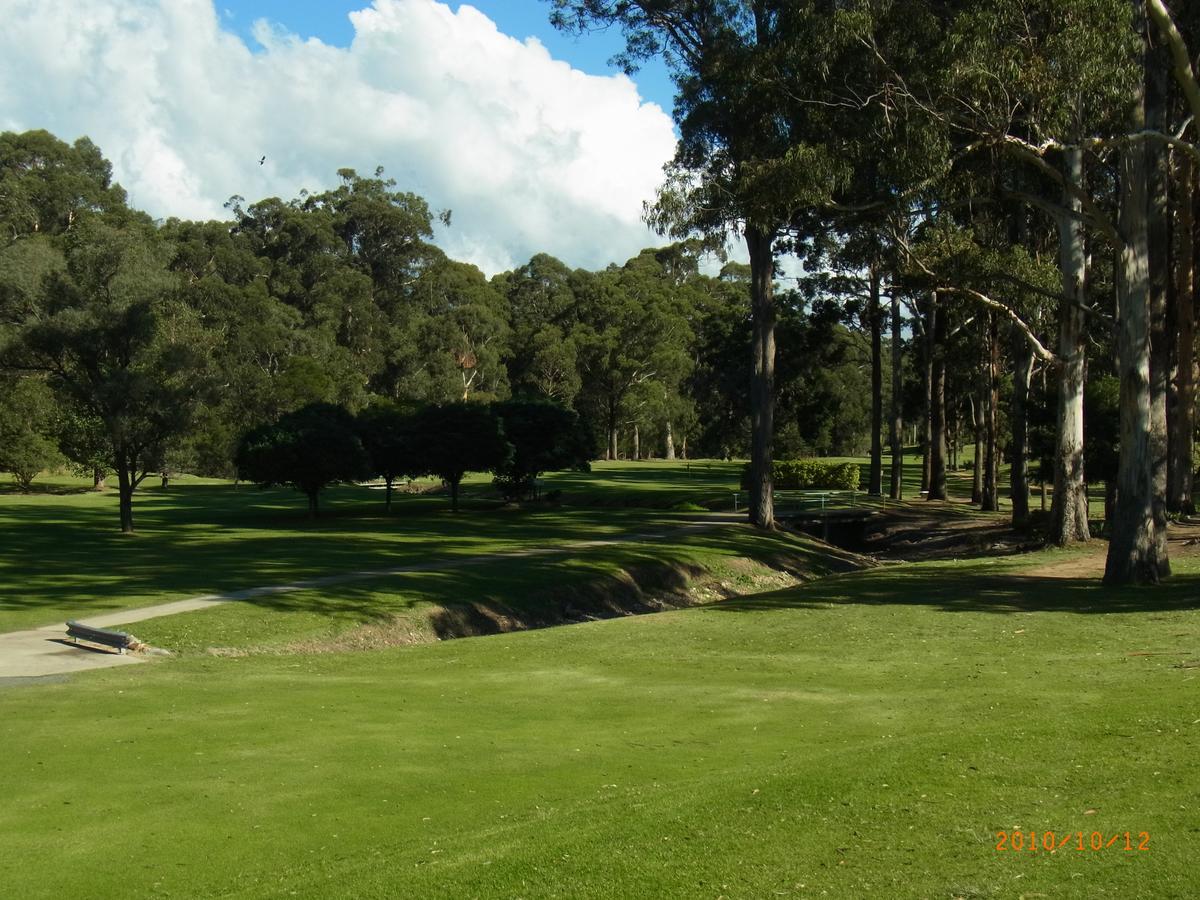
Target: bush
810, 474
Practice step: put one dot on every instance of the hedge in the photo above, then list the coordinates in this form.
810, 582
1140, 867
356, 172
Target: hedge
810, 474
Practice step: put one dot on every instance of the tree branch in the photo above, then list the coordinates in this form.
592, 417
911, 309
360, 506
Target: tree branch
1181, 59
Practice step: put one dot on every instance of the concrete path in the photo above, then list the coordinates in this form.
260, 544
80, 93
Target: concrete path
40, 652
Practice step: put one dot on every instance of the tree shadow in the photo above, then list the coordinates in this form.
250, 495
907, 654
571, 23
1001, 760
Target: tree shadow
948, 590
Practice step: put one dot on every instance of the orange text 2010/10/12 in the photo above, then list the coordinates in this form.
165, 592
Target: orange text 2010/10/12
1053, 842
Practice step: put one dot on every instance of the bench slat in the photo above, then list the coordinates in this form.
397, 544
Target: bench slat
119, 639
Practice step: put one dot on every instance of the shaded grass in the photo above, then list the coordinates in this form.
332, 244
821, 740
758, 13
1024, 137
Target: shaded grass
865, 735
61, 556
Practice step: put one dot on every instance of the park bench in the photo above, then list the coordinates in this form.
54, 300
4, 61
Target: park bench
118, 639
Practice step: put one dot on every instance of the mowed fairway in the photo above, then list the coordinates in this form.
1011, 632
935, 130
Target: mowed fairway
864, 735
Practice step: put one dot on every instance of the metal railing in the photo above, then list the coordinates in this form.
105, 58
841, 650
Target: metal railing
804, 501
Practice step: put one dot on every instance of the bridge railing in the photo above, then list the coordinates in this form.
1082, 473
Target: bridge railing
815, 501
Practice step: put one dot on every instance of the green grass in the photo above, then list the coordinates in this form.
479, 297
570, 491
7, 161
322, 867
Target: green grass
63, 556
865, 735
862, 735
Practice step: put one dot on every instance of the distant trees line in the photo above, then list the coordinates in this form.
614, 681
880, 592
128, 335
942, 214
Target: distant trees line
136, 347
130, 346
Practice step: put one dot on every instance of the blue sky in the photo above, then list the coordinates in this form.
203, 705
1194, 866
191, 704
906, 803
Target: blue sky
329, 21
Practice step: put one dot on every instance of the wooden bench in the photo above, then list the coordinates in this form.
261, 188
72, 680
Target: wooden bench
80, 632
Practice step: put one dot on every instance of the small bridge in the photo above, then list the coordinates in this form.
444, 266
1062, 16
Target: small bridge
839, 517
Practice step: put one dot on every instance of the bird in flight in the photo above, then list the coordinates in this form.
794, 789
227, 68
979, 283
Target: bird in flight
263, 160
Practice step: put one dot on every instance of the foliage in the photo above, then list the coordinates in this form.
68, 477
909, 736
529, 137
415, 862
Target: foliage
452, 439
27, 413
309, 449
812, 474
545, 437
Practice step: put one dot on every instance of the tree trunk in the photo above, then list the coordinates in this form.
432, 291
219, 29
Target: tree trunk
637, 443
1133, 548
977, 467
387, 496
937, 418
1181, 422
1019, 477
1159, 245
683, 447
98, 479
454, 483
670, 454
927, 436
762, 386
896, 491
1069, 512
990, 499
875, 319
125, 487
612, 443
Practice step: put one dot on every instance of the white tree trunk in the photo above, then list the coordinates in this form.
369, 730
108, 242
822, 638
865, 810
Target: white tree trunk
1069, 511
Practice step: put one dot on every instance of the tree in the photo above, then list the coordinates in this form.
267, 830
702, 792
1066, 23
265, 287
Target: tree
456, 337
452, 439
634, 330
388, 434
309, 449
46, 184
744, 163
545, 437
118, 344
26, 424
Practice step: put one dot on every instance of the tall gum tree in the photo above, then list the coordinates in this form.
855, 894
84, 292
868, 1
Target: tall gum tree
741, 166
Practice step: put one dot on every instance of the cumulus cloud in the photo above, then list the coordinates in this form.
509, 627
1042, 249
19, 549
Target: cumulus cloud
530, 154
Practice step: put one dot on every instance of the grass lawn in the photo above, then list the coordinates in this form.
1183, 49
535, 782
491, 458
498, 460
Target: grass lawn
864, 735
867, 734
61, 553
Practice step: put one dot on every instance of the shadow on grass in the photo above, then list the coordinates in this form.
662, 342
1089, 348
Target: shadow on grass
59, 554
953, 591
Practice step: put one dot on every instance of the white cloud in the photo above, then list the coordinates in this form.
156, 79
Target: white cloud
530, 154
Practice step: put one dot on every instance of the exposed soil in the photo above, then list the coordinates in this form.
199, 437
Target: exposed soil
923, 530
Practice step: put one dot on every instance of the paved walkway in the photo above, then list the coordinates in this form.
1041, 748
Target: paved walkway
39, 652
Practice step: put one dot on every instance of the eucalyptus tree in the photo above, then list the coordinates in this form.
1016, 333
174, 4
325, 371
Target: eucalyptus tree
740, 166
45, 184
347, 260
456, 339
118, 344
634, 331
543, 356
